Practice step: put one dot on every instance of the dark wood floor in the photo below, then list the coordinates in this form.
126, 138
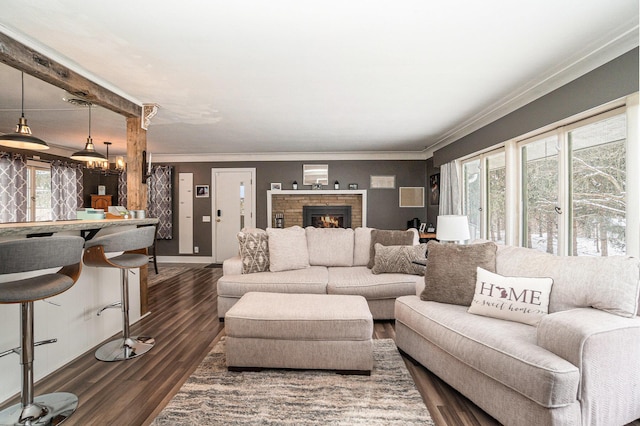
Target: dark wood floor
185, 323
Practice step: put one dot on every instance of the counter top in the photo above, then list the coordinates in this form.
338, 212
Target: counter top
38, 228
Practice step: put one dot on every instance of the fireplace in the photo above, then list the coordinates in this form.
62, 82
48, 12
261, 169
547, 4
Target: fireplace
327, 216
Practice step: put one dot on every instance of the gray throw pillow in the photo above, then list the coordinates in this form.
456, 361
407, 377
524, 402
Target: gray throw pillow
400, 259
388, 238
451, 271
254, 252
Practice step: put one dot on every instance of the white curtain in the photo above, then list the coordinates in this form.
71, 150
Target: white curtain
66, 190
449, 190
13, 188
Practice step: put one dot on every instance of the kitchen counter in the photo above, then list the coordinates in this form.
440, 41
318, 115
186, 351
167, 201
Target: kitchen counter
87, 227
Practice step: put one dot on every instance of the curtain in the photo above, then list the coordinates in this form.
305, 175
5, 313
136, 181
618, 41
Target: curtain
449, 190
13, 188
122, 189
66, 190
159, 200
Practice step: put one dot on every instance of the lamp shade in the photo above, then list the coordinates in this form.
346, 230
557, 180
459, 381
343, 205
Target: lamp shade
89, 153
452, 228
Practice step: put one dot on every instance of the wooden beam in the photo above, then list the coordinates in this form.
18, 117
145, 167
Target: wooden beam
136, 190
28, 60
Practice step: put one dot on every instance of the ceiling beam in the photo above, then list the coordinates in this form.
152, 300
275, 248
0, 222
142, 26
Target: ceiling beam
24, 58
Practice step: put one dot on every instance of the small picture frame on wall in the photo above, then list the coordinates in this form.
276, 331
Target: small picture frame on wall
276, 186
202, 191
434, 189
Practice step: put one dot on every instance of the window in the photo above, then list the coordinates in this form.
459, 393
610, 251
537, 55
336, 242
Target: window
598, 188
39, 190
483, 195
540, 194
573, 188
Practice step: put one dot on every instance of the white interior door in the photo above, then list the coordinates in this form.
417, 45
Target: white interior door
233, 209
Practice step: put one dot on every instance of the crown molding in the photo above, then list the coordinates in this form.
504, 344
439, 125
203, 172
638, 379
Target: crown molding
289, 156
590, 58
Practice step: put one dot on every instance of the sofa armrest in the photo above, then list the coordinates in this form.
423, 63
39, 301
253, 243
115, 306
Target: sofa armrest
606, 349
232, 266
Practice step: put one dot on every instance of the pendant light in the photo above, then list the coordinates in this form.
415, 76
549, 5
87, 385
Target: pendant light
22, 137
89, 152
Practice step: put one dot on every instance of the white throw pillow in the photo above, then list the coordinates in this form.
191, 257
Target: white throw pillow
520, 299
362, 246
330, 246
287, 249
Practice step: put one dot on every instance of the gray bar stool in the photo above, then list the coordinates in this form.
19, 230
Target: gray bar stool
34, 254
134, 244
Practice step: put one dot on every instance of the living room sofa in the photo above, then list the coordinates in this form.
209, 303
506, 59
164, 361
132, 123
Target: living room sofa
322, 261
578, 364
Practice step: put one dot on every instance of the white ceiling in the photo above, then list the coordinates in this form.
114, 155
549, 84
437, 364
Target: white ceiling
291, 76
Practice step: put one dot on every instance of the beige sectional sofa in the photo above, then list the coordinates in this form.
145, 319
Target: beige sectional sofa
580, 365
320, 261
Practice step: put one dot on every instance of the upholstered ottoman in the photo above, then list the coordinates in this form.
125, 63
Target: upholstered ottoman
300, 331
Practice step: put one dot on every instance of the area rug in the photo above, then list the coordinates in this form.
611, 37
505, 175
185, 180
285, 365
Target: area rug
215, 396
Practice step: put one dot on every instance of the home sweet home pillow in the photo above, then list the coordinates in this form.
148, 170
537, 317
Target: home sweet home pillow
520, 299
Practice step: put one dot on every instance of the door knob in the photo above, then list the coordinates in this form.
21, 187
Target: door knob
218, 220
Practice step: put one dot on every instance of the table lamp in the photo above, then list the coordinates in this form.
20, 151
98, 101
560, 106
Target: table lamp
452, 228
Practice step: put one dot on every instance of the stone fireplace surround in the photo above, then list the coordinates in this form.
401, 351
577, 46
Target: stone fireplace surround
291, 202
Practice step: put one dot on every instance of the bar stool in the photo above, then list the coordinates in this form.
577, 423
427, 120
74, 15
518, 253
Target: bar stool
134, 244
33, 254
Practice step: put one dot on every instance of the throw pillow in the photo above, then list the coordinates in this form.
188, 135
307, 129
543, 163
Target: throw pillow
254, 251
400, 259
388, 238
361, 246
451, 270
520, 299
330, 246
287, 249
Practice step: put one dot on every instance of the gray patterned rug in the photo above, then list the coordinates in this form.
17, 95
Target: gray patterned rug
214, 396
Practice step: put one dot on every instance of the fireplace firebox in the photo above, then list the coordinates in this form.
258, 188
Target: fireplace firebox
326, 216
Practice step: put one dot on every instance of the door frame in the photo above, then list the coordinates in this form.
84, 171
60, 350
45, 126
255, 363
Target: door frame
252, 221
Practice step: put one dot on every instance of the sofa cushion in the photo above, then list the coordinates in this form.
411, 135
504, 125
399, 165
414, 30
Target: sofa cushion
611, 283
400, 259
309, 280
388, 238
362, 246
330, 246
359, 280
506, 351
451, 270
287, 249
254, 251
520, 299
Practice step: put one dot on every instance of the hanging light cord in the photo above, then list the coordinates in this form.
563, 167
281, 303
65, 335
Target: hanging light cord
22, 74
89, 121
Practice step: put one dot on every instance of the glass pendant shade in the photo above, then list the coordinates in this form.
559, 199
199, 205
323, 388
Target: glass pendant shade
22, 138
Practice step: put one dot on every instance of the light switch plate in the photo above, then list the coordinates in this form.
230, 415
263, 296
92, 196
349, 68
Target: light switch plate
206, 218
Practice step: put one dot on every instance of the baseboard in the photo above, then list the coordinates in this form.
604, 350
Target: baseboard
185, 259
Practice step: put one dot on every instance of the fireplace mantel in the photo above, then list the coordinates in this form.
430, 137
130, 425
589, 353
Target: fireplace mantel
315, 192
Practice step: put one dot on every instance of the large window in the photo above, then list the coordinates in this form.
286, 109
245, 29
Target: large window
598, 188
574, 187
563, 192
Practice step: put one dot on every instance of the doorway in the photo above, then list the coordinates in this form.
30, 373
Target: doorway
233, 206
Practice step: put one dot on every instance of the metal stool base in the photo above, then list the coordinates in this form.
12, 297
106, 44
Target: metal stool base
117, 350
49, 409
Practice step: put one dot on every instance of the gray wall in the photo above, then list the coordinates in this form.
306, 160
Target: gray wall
382, 210
611, 81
